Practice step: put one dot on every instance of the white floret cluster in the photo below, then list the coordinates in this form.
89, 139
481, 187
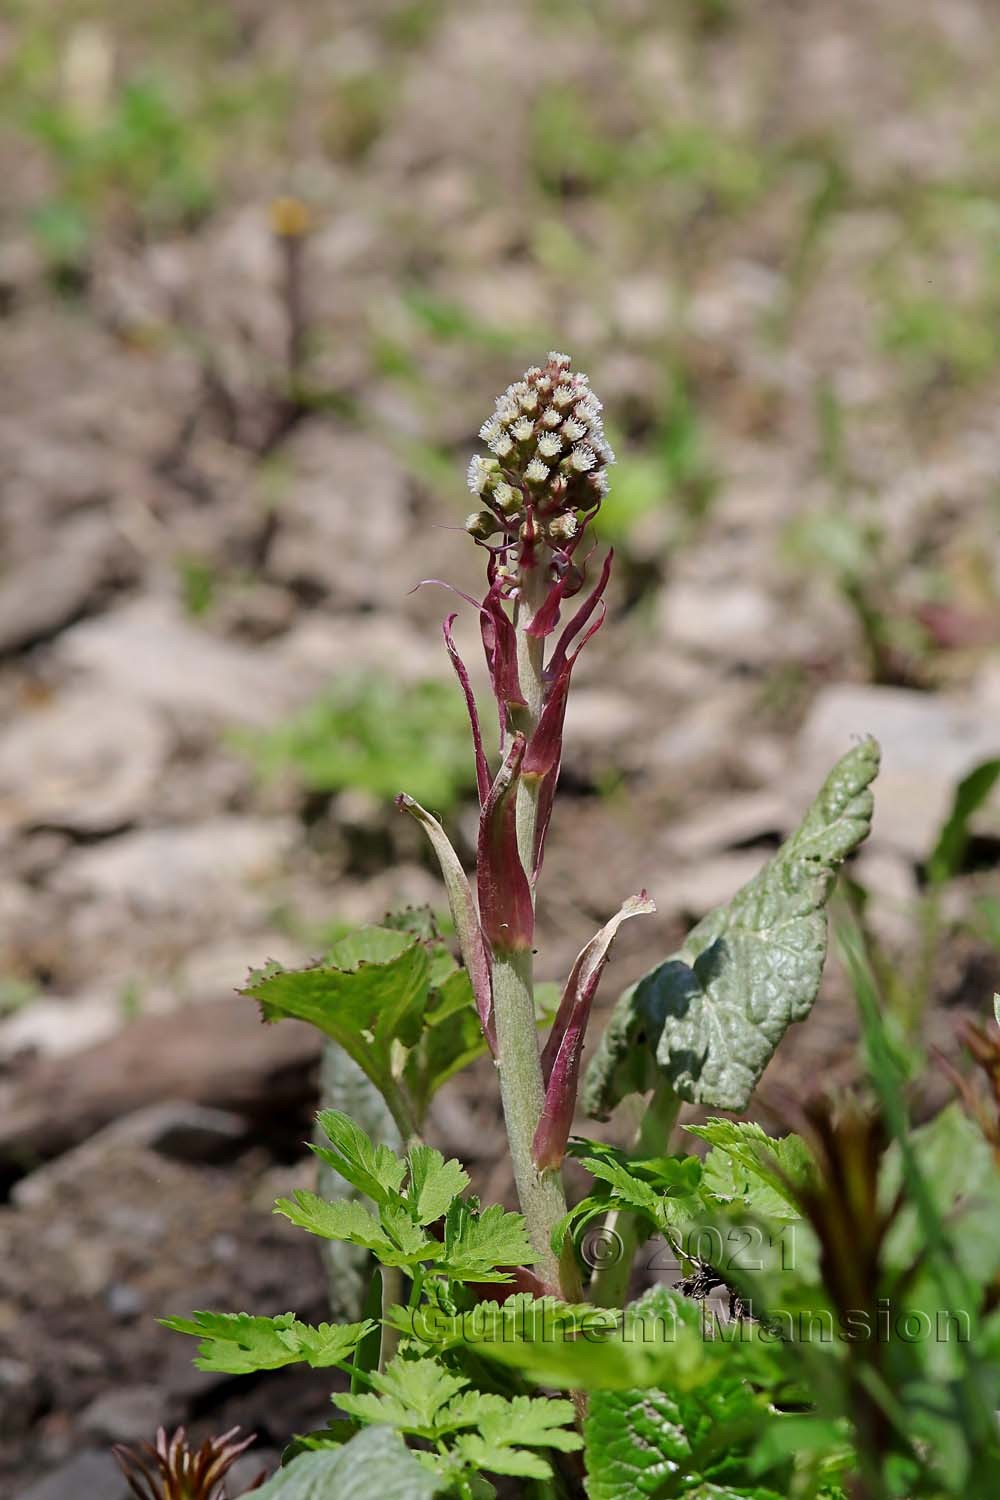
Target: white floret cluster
548, 458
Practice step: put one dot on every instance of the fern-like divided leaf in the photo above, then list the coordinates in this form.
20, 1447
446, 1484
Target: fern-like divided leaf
239, 1343
707, 1020
472, 1430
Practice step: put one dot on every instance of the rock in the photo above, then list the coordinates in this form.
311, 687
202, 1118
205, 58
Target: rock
175, 1128
159, 871
729, 823
124, 1302
319, 543
85, 760
148, 650
929, 743
55, 1027
739, 621
214, 1053
85, 1475
22, 1397
128, 1414
60, 583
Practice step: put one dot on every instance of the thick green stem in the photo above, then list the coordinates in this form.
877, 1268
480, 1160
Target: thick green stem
609, 1286
542, 1198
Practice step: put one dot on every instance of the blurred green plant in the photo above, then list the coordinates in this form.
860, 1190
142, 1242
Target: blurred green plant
375, 734
671, 472
15, 994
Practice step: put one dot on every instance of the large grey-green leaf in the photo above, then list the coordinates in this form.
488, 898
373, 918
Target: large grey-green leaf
376, 1462
707, 1020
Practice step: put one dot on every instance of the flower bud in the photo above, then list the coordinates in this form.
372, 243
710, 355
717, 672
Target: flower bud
482, 524
563, 528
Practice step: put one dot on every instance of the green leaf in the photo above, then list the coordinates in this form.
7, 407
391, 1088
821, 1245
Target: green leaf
366, 1008
373, 1170
695, 1443
451, 1039
422, 1399
396, 1240
521, 1317
970, 794
376, 1462
434, 1183
751, 1168
410, 1395
707, 1020
475, 1244
238, 1343
659, 1339
647, 1185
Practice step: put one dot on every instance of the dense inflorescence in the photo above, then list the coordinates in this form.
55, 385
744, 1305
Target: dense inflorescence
546, 473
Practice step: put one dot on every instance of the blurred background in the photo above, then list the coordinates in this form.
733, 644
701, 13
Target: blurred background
262, 271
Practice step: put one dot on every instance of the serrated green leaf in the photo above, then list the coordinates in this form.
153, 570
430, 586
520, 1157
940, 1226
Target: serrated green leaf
365, 1008
238, 1343
750, 1167
434, 1183
373, 1170
368, 945
452, 1038
396, 1240
421, 1398
659, 1339
524, 1421
376, 1462
498, 1459
409, 1395
627, 1189
521, 1317
695, 1443
476, 1244
708, 1019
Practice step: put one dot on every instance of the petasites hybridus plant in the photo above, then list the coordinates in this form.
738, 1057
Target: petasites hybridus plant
474, 1311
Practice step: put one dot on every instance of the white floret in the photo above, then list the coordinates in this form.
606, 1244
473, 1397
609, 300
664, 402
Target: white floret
582, 458
536, 472
574, 430
549, 445
501, 443
478, 474
506, 497
562, 360
551, 417
523, 429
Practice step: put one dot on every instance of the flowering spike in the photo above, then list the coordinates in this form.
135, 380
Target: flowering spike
463, 912
482, 769
564, 1047
546, 477
505, 902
